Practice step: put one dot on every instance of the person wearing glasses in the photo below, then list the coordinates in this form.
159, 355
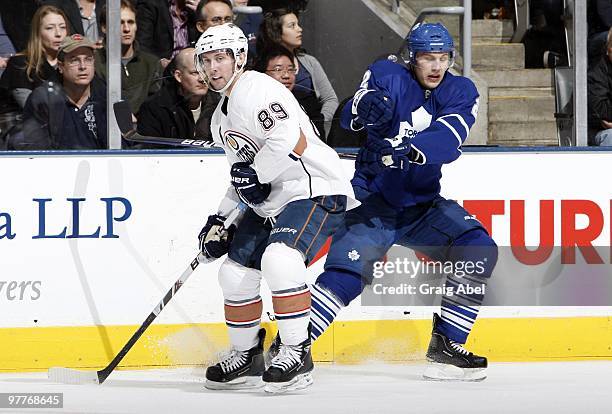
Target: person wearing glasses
281, 27
71, 114
277, 62
213, 13
165, 27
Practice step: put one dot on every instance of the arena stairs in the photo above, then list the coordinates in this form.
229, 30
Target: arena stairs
519, 103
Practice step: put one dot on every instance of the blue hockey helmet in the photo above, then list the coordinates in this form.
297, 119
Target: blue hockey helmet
429, 37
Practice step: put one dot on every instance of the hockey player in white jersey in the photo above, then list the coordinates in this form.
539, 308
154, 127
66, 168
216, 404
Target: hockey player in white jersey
297, 194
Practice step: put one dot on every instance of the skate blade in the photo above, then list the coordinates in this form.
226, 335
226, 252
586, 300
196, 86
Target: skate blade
298, 383
242, 383
447, 372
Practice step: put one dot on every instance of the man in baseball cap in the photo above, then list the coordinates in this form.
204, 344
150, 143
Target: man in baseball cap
71, 115
71, 43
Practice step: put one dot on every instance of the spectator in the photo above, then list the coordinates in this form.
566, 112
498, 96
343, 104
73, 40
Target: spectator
278, 63
281, 27
599, 81
71, 114
83, 16
141, 74
166, 26
37, 63
599, 13
30, 68
213, 13
172, 111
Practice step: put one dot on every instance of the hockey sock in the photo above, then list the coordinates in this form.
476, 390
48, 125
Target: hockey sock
285, 271
325, 307
457, 321
477, 251
292, 313
334, 289
243, 319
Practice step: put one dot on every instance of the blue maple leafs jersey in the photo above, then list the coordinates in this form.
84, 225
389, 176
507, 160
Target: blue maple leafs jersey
438, 122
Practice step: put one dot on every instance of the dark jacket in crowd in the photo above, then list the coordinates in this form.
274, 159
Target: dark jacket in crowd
15, 77
45, 115
166, 114
155, 31
599, 80
599, 16
71, 8
17, 20
209, 104
312, 107
140, 78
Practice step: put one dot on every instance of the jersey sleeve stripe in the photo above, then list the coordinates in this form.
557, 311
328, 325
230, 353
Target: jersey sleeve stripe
453, 130
460, 118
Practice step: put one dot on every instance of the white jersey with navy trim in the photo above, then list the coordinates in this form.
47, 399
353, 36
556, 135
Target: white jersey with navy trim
260, 122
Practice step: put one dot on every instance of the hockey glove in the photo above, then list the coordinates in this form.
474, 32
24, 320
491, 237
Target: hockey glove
372, 107
247, 185
214, 239
378, 154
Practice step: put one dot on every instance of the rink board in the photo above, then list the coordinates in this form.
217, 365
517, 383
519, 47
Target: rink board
89, 244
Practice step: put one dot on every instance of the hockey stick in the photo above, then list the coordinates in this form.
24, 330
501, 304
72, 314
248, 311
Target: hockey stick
123, 115
74, 376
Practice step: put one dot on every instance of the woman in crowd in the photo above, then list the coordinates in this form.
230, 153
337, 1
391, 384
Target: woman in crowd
281, 27
30, 68
38, 62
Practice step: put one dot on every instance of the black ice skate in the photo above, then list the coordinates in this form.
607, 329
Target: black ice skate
239, 370
450, 361
291, 369
273, 350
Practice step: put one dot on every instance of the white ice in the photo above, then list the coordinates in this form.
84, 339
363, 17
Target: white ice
544, 387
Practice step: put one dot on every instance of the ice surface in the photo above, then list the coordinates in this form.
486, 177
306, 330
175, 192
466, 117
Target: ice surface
544, 387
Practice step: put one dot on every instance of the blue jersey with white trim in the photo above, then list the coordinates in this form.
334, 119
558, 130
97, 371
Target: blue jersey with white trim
438, 122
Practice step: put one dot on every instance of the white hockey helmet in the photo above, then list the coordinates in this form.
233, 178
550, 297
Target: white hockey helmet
228, 37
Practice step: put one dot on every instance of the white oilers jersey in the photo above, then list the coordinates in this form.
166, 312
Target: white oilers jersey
261, 123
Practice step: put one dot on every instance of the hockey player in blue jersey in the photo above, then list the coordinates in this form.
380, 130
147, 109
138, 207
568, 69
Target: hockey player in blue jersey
417, 116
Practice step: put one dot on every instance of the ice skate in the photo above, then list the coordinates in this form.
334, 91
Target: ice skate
291, 369
239, 370
450, 361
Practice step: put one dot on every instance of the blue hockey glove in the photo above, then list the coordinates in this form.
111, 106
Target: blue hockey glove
379, 154
214, 239
372, 107
247, 185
